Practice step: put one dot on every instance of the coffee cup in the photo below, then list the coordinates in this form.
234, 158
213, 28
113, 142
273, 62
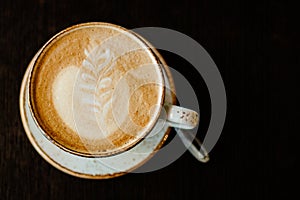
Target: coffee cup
97, 90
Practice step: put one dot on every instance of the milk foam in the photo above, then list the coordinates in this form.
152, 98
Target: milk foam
62, 91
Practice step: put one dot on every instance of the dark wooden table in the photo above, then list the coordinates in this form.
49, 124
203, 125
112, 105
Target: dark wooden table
255, 46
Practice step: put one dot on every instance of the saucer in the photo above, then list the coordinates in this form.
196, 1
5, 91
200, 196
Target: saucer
91, 167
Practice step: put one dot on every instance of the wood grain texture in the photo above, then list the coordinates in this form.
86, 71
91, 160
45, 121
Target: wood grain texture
255, 46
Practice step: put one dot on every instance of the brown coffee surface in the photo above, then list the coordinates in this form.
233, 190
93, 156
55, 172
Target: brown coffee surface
95, 89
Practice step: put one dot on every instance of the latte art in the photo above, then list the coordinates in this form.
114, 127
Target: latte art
93, 88
94, 91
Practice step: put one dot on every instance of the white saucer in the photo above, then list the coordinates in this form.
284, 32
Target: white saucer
92, 168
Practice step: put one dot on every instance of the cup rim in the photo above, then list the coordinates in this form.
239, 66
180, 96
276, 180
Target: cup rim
153, 53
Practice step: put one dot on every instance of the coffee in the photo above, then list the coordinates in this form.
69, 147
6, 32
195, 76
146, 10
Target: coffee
96, 89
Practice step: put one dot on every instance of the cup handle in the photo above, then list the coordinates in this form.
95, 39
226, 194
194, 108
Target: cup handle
182, 118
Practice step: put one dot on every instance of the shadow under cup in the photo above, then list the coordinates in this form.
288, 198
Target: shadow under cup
97, 89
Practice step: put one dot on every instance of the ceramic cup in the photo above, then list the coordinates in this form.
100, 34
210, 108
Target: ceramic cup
167, 115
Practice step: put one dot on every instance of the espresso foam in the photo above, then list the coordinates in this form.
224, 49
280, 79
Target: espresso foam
92, 89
